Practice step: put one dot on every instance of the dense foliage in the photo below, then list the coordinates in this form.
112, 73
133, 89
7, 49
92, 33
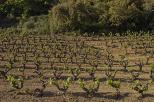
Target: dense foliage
25, 7
86, 15
96, 16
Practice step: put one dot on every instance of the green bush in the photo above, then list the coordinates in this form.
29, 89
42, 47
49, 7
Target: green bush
12, 7
81, 15
102, 15
32, 25
132, 15
73, 15
25, 7
35, 25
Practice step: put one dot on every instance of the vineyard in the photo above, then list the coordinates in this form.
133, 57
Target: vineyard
60, 68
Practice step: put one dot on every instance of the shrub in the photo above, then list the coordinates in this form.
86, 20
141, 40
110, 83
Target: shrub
12, 7
25, 7
129, 14
35, 25
72, 15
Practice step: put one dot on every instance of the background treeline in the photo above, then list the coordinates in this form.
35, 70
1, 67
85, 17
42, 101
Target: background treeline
23, 8
81, 15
